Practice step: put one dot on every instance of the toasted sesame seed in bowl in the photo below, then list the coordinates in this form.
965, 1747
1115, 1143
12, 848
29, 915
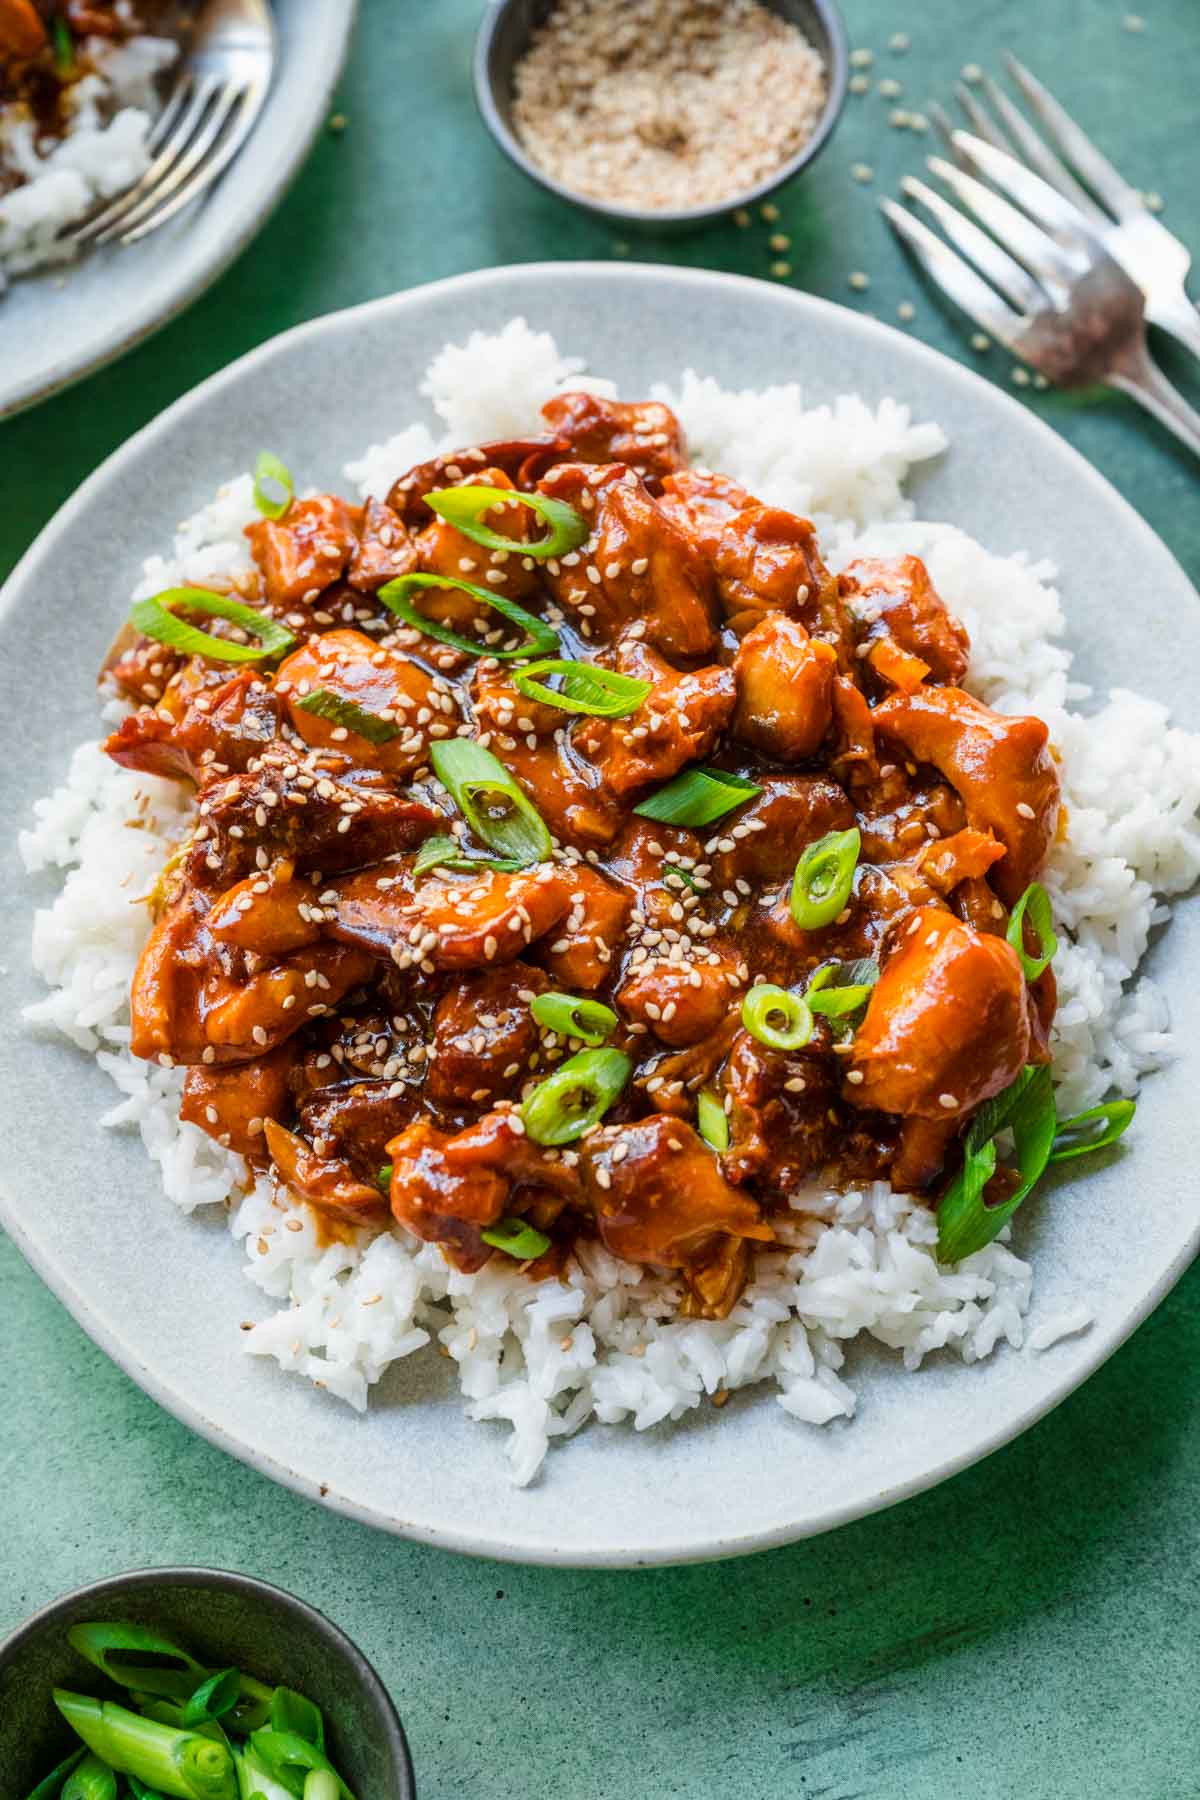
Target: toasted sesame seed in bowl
666, 115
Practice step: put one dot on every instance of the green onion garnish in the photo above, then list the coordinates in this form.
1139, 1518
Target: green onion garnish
273, 490
133, 1656
516, 1238
327, 705
1026, 1108
589, 1020
289, 1758
576, 1096
839, 989
447, 853
541, 641
823, 879
777, 1018
184, 1765
464, 507
320, 1784
213, 1698
291, 1711
1035, 902
490, 801
255, 1781
51, 1787
383, 1176
697, 797
64, 45
1073, 1138
711, 1119
585, 688
91, 1780
155, 618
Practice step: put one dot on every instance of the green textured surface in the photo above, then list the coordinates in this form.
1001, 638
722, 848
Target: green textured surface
1027, 1629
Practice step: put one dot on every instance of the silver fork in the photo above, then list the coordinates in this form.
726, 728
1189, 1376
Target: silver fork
1056, 299
208, 116
1150, 254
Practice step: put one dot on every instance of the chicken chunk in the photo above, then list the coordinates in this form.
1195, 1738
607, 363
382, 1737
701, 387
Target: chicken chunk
790, 812
483, 1036
781, 1132
566, 789
785, 689
946, 1026
1001, 766
638, 566
267, 1007
678, 722
702, 504
766, 560
268, 914
643, 434
384, 551
233, 1104
444, 550
449, 921
400, 707
198, 729
680, 1003
519, 460
586, 944
324, 1181
305, 550
22, 33
894, 601
354, 1121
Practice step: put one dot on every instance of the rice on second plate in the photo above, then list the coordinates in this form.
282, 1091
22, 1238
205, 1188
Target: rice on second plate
547, 1356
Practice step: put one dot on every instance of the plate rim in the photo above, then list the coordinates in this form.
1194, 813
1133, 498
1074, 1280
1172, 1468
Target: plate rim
118, 338
1102, 1341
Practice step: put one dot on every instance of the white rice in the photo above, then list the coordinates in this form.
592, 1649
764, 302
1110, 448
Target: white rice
604, 1343
102, 151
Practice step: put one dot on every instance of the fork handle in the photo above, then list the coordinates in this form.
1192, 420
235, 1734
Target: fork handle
1180, 318
1141, 378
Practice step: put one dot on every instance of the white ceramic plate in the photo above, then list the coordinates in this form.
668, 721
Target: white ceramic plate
60, 323
164, 1295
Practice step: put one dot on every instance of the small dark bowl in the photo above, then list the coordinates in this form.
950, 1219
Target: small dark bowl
223, 1619
504, 37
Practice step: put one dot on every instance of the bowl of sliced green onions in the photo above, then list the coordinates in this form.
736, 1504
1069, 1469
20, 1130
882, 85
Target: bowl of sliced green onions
193, 1684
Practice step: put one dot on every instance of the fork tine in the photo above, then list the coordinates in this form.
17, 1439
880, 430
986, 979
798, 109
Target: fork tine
1079, 150
981, 124
1039, 199
1040, 156
944, 125
239, 129
1013, 281
188, 122
165, 121
1041, 255
956, 278
183, 167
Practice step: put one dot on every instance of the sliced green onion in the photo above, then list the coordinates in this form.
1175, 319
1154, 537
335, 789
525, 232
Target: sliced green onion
490, 801
51, 1787
140, 1791
1073, 1137
213, 1698
64, 45
688, 880
777, 1018
320, 1785
273, 489
395, 596
516, 1238
824, 877
291, 1711
133, 1656
838, 990
585, 688
711, 1119
1035, 902
383, 1176
254, 1705
576, 1096
155, 618
1026, 1108
589, 1020
255, 1781
464, 507
697, 797
183, 1765
447, 853
326, 705
91, 1780
289, 1758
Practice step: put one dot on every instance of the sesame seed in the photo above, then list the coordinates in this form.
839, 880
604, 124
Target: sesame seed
1026, 811
906, 310
859, 281
860, 84
862, 171
949, 1101
855, 1075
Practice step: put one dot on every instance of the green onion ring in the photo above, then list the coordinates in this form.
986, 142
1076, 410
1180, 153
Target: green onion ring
1026, 1108
697, 797
1118, 1113
268, 468
490, 801
576, 1097
155, 618
711, 1119
1035, 902
447, 853
586, 688
324, 704
541, 640
213, 1698
764, 1001
383, 1176
516, 1238
824, 878
589, 1020
839, 989
464, 507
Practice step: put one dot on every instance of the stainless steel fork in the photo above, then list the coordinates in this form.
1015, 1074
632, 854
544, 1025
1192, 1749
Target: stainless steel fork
1038, 278
208, 116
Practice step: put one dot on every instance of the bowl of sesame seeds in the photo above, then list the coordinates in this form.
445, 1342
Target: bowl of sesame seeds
669, 114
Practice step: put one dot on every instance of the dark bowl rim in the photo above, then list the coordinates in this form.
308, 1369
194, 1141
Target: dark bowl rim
838, 70
184, 1575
